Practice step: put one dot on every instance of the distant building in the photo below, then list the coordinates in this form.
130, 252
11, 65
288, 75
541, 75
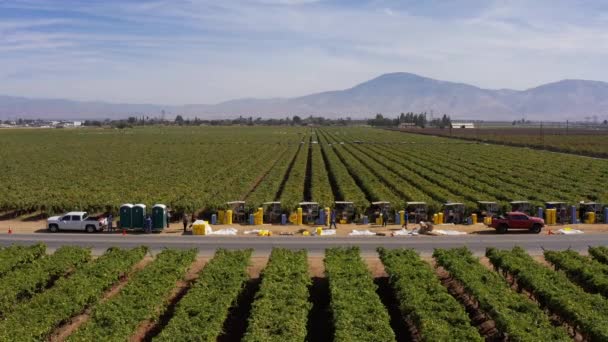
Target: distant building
407, 125
77, 123
463, 125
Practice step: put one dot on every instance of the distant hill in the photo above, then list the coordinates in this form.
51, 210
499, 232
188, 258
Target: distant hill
389, 94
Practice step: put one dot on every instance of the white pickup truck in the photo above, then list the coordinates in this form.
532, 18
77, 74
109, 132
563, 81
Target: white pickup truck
76, 220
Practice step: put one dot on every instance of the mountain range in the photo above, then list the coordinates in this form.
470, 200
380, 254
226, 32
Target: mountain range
390, 94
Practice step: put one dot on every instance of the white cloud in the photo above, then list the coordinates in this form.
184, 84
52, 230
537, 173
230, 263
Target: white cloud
207, 51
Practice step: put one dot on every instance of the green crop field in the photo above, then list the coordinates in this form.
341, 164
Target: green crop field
124, 295
590, 142
198, 169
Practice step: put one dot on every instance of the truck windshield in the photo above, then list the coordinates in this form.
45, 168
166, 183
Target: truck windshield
85, 216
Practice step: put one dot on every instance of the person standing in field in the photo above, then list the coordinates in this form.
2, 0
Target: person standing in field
332, 219
384, 218
110, 227
185, 222
309, 218
148, 225
168, 218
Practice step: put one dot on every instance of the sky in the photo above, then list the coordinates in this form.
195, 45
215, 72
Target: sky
208, 51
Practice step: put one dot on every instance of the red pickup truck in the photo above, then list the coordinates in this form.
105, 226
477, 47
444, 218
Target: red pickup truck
517, 220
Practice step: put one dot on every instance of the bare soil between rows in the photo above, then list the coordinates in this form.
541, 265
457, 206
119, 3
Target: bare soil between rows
17, 226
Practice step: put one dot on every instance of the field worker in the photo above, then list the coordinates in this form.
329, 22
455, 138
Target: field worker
110, 227
332, 219
185, 222
168, 218
384, 218
425, 227
148, 224
310, 215
405, 218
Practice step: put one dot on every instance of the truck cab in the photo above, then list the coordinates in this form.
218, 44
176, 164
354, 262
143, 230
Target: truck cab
517, 220
76, 220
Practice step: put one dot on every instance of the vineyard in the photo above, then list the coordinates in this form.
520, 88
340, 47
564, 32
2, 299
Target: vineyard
198, 169
589, 142
176, 295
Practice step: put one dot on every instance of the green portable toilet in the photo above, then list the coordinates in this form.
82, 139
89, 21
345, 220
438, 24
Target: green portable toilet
126, 216
139, 216
159, 217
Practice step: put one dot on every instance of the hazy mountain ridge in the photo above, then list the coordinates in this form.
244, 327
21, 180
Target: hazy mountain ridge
389, 94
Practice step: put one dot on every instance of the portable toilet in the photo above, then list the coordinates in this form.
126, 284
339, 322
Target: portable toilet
159, 216
126, 216
139, 216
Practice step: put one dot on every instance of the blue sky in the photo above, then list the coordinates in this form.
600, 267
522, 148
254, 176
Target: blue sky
200, 51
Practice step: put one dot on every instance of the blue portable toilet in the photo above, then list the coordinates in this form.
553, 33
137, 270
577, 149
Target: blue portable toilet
321, 220
573, 217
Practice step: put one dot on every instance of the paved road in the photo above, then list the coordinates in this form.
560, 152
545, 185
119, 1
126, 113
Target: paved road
315, 245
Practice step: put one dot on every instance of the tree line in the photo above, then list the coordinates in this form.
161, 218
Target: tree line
410, 119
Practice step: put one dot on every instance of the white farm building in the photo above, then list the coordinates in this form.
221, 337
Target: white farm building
463, 125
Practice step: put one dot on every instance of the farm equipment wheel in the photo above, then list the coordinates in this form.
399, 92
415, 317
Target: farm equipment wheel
502, 229
90, 229
536, 228
53, 228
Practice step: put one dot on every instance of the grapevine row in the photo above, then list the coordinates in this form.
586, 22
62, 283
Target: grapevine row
515, 315
358, 313
444, 189
268, 189
321, 190
370, 184
29, 279
484, 157
118, 318
283, 295
15, 256
36, 319
444, 176
587, 312
422, 299
200, 314
293, 189
348, 190
599, 253
589, 274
